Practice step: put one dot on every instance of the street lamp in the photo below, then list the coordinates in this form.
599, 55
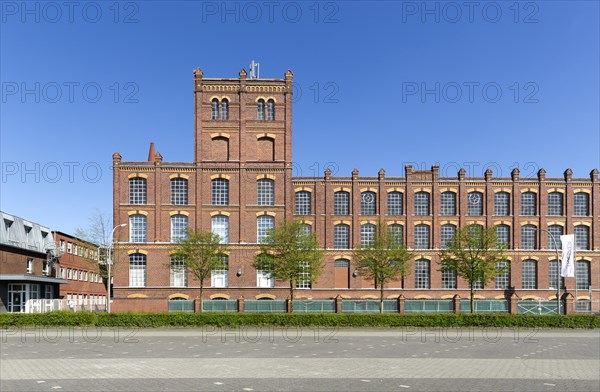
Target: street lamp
109, 262
557, 268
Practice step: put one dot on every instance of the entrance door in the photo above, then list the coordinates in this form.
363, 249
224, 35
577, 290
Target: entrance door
16, 297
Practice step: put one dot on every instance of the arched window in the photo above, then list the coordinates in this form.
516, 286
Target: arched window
396, 234
422, 274
305, 229
178, 273
581, 204
264, 224
475, 204
264, 277
582, 237
529, 274
179, 227
528, 204
448, 278
341, 203
265, 192
503, 235
395, 203
503, 274
137, 228
215, 109
219, 275
304, 281
137, 270
137, 190
341, 236
555, 203
224, 109
179, 191
447, 234
528, 237
421, 203
448, 203
220, 227
422, 236
554, 233
270, 110
367, 234
553, 275
583, 275
260, 114
220, 192
303, 203
368, 203
502, 204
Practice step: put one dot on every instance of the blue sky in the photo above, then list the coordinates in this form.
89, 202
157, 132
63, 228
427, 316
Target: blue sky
378, 84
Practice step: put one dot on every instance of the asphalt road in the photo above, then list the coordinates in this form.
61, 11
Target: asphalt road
325, 359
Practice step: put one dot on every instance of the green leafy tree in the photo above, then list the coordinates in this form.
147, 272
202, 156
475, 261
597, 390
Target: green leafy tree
383, 259
200, 253
473, 254
290, 254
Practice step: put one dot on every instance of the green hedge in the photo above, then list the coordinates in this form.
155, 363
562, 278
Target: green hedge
153, 320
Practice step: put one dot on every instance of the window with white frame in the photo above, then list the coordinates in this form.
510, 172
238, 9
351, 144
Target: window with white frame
529, 275
178, 273
528, 237
555, 203
395, 203
220, 227
220, 192
448, 203
367, 234
368, 203
502, 204
304, 280
137, 270
219, 275
179, 191
264, 277
422, 236
30, 266
341, 203
264, 225
341, 236
422, 274
69, 247
581, 203
137, 190
502, 274
303, 203
582, 236
421, 203
528, 204
137, 228
447, 234
265, 192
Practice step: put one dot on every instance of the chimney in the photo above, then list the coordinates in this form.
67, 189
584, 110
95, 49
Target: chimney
151, 153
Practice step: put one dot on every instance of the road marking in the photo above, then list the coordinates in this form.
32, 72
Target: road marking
218, 383
365, 380
41, 382
550, 385
404, 386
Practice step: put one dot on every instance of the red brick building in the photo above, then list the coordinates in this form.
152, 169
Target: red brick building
240, 185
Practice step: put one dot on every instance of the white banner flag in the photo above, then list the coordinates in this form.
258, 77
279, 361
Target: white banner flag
568, 255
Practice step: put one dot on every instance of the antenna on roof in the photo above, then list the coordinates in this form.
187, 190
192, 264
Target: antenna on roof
254, 70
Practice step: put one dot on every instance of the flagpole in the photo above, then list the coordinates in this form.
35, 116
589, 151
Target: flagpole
558, 264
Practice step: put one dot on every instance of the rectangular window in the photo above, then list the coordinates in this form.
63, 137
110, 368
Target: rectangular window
422, 274
528, 204
137, 190
178, 273
266, 192
395, 204
421, 203
264, 224
553, 275
367, 234
341, 237
69, 247
529, 275
448, 204
582, 237
422, 237
528, 237
448, 279
179, 191
137, 228
368, 203
341, 203
475, 204
583, 275
137, 270
30, 266
220, 192
302, 203
502, 204
447, 234
48, 292
555, 204
179, 227
303, 281
581, 204
502, 275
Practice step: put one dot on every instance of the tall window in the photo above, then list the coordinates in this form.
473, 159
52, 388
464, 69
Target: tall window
502, 204
341, 236
137, 270
341, 203
263, 275
179, 191
260, 115
396, 233
179, 227
503, 235
448, 203
502, 278
582, 235
554, 233
367, 234
137, 228
421, 203
448, 232
368, 203
475, 204
224, 109
553, 275
303, 280
219, 276
305, 229
178, 273
581, 204
529, 274
220, 192
448, 278
266, 192
528, 204
395, 205
422, 274
528, 237
220, 227
137, 190
422, 237
582, 268
555, 203
215, 109
270, 110
302, 203
264, 224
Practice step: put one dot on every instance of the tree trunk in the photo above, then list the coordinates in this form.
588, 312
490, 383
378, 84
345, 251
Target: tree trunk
381, 298
201, 290
471, 300
291, 296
